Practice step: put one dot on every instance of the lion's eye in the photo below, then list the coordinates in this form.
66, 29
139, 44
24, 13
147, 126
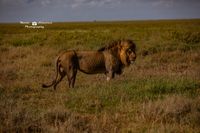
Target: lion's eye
129, 51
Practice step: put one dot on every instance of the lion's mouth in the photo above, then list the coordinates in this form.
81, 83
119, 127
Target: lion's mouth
132, 62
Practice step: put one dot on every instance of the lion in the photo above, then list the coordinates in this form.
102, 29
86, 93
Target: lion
110, 60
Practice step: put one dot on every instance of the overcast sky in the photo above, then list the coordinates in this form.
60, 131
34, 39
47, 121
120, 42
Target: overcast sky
89, 10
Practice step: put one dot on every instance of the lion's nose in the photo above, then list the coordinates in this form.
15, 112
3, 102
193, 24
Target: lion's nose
134, 57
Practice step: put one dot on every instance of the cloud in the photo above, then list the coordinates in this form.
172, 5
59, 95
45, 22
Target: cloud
29, 1
93, 3
163, 3
45, 2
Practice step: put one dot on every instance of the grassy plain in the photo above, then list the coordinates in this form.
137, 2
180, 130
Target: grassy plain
159, 93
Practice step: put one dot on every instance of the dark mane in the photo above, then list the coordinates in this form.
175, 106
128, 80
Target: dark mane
110, 45
114, 44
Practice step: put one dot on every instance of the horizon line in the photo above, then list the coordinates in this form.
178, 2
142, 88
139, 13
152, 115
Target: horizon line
104, 20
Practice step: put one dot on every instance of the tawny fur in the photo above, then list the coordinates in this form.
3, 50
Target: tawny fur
109, 60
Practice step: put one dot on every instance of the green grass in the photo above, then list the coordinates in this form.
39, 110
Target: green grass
106, 97
159, 93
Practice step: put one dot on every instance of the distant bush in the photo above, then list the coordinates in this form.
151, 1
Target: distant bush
20, 42
186, 37
33, 39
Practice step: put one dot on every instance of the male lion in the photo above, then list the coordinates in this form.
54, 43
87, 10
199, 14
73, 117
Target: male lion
109, 60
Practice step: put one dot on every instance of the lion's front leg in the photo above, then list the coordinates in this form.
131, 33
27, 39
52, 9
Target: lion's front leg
110, 75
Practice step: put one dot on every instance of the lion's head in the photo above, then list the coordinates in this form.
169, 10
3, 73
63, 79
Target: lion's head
123, 49
127, 52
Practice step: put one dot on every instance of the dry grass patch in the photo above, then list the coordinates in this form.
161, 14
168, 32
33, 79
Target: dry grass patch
178, 110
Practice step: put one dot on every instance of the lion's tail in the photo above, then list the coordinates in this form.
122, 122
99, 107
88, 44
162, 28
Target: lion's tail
54, 81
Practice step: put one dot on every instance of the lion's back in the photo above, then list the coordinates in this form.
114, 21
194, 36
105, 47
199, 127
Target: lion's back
91, 61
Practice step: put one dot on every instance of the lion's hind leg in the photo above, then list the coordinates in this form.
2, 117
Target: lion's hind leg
62, 75
71, 76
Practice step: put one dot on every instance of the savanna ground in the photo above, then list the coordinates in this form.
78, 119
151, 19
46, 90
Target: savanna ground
159, 93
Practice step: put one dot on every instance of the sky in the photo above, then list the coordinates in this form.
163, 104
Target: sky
99, 10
